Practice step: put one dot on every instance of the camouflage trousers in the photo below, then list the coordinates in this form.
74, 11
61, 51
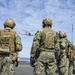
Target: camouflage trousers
6, 65
70, 68
47, 68
65, 66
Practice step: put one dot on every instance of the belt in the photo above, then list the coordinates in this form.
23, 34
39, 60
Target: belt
47, 49
1, 55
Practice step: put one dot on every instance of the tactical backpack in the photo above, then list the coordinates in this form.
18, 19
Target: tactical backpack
7, 41
71, 53
49, 41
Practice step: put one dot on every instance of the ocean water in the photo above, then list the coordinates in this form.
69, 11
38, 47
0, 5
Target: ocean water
24, 59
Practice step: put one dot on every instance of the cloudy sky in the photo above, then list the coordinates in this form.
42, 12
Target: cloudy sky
28, 15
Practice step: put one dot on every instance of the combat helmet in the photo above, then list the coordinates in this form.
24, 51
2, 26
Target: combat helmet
9, 23
47, 21
62, 34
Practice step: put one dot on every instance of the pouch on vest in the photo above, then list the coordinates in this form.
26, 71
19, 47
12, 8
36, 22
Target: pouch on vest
4, 47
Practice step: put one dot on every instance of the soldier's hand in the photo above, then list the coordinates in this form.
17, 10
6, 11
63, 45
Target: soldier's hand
32, 61
18, 59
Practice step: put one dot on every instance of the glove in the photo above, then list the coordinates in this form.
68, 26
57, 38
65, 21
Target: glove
32, 61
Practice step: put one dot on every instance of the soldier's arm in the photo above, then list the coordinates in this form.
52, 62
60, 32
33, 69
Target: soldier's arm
57, 42
35, 44
34, 48
18, 43
57, 48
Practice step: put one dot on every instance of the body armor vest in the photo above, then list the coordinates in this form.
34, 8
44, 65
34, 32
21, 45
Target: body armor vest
49, 41
7, 44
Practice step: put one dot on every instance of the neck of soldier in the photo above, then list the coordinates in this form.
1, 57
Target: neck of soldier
47, 27
7, 27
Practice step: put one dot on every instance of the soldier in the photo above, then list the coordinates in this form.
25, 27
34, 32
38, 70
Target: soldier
43, 50
64, 64
10, 45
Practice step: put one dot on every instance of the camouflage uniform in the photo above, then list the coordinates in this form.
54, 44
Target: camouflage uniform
7, 60
71, 59
70, 68
65, 66
43, 50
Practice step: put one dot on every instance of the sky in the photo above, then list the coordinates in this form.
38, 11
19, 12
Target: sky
29, 14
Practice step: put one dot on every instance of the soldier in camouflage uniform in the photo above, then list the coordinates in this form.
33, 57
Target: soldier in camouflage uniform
10, 45
43, 50
64, 65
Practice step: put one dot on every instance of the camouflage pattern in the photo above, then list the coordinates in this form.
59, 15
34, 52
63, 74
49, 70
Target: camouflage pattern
45, 62
65, 67
7, 64
71, 62
70, 68
41, 67
71, 52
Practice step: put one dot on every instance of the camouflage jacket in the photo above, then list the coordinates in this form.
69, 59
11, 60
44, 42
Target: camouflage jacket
39, 38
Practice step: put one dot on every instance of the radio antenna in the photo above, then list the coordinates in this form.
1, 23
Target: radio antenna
72, 33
